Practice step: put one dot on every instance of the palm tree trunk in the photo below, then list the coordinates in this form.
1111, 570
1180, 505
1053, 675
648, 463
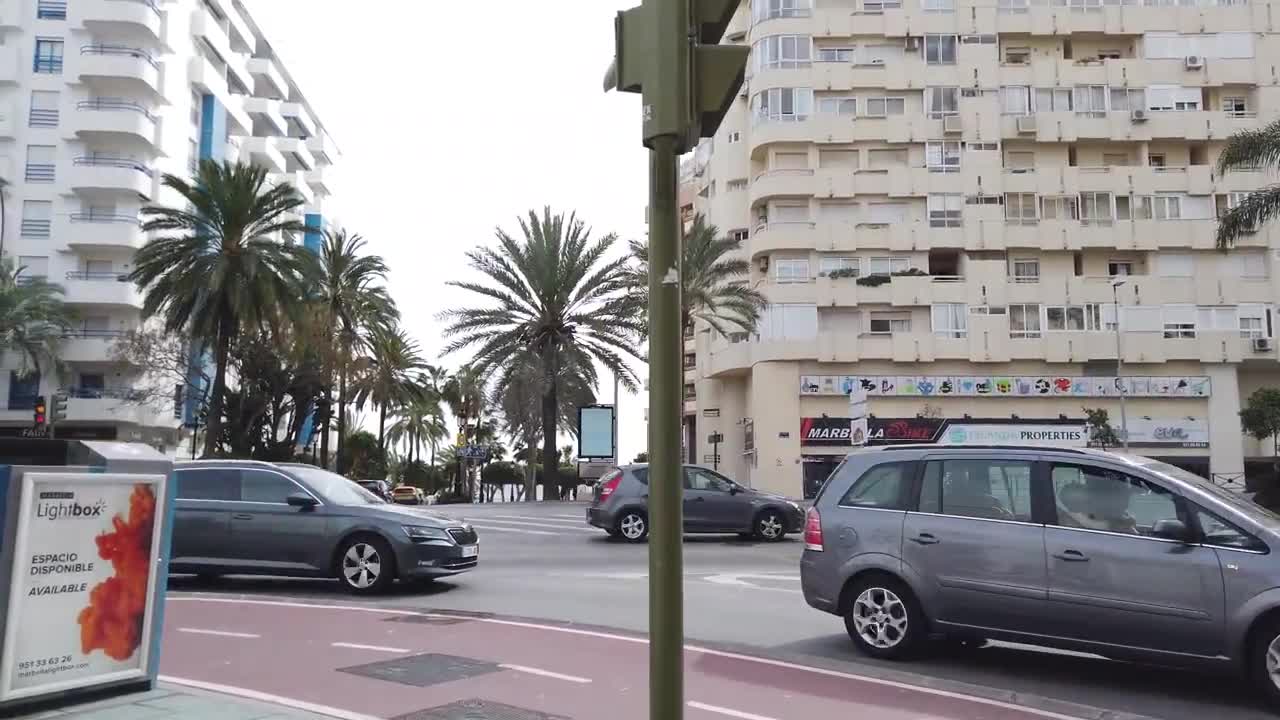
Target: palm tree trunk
382, 427
213, 425
529, 475
550, 453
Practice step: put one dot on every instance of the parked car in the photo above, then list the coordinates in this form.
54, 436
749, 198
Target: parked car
245, 517
378, 487
1118, 555
407, 495
712, 504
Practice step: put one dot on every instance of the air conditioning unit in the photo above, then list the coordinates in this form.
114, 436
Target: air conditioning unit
1194, 62
952, 124
1262, 344
1138, 115
1027, 124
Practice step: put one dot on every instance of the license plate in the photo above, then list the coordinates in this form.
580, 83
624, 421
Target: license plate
469, 551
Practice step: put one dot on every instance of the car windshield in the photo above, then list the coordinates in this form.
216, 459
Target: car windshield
336, 489
1234, 499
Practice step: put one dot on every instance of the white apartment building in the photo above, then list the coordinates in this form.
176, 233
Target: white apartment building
99, 99
945, 201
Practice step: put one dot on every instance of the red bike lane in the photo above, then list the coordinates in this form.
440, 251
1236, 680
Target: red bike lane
380, 662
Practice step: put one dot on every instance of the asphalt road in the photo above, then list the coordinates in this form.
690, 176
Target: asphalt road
541, 561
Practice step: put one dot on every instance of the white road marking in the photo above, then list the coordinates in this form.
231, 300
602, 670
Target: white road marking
522, 523
727, 712
267, 698
495, 528
575, 522
219, 633
990, 702
545, 673
375, 648
735, 580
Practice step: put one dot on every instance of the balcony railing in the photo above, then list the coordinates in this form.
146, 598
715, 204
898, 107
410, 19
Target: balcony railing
115, 105
149, 3
47, 65
93, 334
39, 173
38, 118
105, 393
120, 50
97, 217
97, 276
112, 162
51, 10
36, 228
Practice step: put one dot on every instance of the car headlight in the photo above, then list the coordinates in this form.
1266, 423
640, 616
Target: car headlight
418, 532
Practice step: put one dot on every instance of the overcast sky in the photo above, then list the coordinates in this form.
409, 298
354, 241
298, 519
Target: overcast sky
452, 122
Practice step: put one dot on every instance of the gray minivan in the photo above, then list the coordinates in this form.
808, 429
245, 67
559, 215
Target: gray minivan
1118, 555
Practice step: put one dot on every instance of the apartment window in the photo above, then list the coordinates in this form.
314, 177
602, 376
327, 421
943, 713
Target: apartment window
23, 390
950, 319
1119, 268
942, 156
96, 325
789, 322
1017, 56
839, 264
783, 51
878, 55
783, 104
844, 54
197, 105
1235, 106
33, 267
1015, 100
1053, 100
1020, 208
1090, 99
40, 163
1170, 264
886, 323
1024, 321
792, 270
690, 391
838, 106
44, 109
942, 101
1026, 270
1124, 100
885, 106
733, 137
48, 60
1020, 161
1115, 159
739, 184
1173, 98
1095, 208
938, 5
982, 147
1133, 207
1166, 207
887, 265
37, 218
1221, 318
1254, 321
768, 9
1073, 318
945, 209
940, 49
1179, 321
1014, 6
879, 6
51, 9
1059, 208
782, 213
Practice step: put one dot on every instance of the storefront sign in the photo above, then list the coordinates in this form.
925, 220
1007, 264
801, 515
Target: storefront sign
1005, 386
82, 590
1030, 435
904, 430
1184, 432
826, 432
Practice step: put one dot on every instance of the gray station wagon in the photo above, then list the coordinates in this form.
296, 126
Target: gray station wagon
243, 517
1118, 555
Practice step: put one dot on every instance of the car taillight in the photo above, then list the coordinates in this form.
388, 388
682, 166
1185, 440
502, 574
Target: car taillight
609, 486
813, 530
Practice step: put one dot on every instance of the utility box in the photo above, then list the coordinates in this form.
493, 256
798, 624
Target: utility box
84, 549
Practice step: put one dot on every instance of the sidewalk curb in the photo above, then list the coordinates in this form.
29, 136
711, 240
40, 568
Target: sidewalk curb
253, 697
1045, 705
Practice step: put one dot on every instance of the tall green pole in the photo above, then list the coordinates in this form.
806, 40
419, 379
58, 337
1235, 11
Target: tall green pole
666, 482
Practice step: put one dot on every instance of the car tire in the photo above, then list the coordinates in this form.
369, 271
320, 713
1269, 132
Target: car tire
769, 526
883, 618
366, 565
1264, 660
633, 526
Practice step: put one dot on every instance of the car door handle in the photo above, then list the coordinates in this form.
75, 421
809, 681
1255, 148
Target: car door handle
1071, 556
241, 516
925, 539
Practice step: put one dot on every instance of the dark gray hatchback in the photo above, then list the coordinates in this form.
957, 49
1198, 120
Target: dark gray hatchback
712, 504
244, 517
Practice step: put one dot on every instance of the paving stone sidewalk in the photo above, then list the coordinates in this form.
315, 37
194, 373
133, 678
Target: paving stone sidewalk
173, 702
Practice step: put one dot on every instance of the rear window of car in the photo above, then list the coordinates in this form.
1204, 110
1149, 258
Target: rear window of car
641, 474
883, 486
208, 484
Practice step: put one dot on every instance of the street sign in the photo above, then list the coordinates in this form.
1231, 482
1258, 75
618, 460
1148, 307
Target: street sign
474, 452
715, 438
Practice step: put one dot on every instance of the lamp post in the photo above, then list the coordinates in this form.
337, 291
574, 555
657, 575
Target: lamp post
1124, 419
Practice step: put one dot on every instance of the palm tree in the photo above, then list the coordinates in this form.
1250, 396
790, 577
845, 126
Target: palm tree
464, 393
32, 317
713, 286
551, 292
352, 303
390, 382
1250, 150
218, 265
418, 423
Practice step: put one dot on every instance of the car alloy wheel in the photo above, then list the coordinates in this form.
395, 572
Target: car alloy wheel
633, 527
361, 566
769, 526
1273, 662
880, 618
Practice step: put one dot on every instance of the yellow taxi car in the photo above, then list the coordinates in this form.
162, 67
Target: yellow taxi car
407, 495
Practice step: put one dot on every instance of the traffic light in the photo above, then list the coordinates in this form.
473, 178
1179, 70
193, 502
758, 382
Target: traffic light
60, 407
40, 410
669, 51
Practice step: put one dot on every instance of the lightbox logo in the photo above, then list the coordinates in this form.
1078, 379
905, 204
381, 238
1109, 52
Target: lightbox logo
958, 435
62, 505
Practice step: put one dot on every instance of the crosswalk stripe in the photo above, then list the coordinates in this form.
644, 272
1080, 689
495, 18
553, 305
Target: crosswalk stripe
522, 531
521, 523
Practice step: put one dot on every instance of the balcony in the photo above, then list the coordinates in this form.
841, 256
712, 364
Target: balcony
296, 153
783, 183
268, 111
117, 17
301, 117
114, 118
270, 77
204, 26
98, 175
318, 181
116, 405
204, 76
298, 180
11, 63
263, 152
133, 68
322, 147
81, 346
239, 31
103, 289
8, 122
89, 231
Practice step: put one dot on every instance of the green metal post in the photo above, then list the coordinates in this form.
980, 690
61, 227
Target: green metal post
666, 483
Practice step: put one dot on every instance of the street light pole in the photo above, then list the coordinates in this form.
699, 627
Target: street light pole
1124, 418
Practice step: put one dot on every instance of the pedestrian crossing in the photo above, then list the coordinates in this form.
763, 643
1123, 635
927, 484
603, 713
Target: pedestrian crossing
515, 524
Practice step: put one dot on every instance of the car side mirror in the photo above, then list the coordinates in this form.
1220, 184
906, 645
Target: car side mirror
734, 489
302, 500
1171, 530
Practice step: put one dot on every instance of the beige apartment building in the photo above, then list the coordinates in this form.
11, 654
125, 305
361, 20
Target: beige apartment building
955, 203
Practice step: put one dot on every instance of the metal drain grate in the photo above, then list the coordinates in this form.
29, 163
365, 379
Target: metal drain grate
423, 670
425, 620
478, 710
